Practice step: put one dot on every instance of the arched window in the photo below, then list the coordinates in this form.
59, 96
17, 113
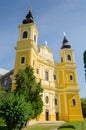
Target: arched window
69, 57
71, 77
25, 34
73, 102
34, 38
47, 99
22, 60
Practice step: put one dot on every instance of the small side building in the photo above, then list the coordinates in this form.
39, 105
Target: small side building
6, 80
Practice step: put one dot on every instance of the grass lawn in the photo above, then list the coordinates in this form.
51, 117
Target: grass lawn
79, 125
41, 127
36, 127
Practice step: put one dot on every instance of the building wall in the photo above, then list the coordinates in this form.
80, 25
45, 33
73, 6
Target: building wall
61, 91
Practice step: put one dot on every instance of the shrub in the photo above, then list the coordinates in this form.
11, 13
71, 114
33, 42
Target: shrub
2, 123
14, 110
64, 126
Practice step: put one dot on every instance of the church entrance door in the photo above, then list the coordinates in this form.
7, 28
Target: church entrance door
47, 115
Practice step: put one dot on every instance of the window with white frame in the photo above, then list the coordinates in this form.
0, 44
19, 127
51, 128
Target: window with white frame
47, 99
54, 76
22, 60
37, 71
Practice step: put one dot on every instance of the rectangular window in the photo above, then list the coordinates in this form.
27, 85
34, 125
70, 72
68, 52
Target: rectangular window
55, 101
38, 49
37, 71
33, 62
46, 76
22, 60
61, 59
54, 76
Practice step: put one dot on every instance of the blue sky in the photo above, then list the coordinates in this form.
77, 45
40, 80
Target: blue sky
52, 19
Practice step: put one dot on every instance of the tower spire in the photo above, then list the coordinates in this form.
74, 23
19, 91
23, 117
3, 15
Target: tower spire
30, 8
29, 17
65, 43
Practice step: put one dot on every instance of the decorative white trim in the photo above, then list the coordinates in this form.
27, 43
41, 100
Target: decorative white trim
24, 60
23, 50
30, 32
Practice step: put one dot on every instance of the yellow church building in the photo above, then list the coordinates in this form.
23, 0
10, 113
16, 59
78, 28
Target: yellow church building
61, 99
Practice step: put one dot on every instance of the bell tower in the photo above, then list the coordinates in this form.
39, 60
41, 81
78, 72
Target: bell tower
28, 30
66, 54
68, 85
26, 47
68, 64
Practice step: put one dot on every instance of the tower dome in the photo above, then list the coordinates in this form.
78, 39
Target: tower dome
65, 43
29, 18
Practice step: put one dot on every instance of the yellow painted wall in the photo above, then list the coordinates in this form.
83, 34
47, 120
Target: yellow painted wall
62, 87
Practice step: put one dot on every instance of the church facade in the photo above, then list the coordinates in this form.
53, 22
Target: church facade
61, 99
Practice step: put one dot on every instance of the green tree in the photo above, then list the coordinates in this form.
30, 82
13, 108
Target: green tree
27, 85
14, 110
84, 59
2, 91
83, 104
